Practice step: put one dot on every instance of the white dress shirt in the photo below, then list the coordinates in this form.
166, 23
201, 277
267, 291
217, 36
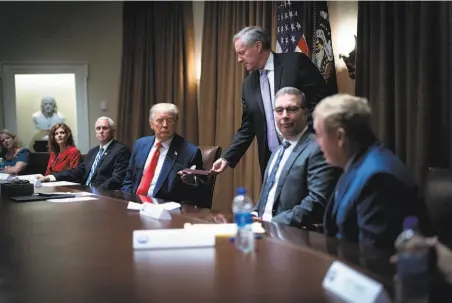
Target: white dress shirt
163, 151
52, 177
270, 66
268, 212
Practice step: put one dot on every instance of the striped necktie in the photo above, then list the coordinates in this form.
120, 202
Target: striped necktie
93, 168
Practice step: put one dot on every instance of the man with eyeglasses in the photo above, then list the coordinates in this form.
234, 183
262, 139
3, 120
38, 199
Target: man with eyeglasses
298, 182
156, 168
268, 72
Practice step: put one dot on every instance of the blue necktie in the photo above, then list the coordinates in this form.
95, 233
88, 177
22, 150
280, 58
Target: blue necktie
272, 176
93, 168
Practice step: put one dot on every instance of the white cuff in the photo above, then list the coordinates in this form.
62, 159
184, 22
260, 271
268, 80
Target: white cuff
51, 178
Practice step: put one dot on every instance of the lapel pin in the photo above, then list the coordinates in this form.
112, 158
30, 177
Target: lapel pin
175, 153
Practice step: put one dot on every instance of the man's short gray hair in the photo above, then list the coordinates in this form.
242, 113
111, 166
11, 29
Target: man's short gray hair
288, 90
345, 111
110, 122
164, 107
252, 34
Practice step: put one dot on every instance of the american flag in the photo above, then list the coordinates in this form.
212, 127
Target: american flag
289, 32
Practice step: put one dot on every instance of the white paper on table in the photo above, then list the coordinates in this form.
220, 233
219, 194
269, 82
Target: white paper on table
166, 206
58, 183
77, 194
67, 200
5, 177
223, 229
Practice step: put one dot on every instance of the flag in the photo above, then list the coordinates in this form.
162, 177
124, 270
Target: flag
322, 47
290, 35
303, 22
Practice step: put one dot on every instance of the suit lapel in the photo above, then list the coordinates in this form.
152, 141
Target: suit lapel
145, 149
105, 154
170, 159
262, 203
277, 73
299, 148
257, 91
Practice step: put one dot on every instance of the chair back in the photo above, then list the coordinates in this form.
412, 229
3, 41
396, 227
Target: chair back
37, 163
438, 197
209, 155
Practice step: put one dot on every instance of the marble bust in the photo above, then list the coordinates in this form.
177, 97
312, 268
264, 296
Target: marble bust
48, 116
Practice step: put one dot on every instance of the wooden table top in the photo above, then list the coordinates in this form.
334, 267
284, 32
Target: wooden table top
82, 252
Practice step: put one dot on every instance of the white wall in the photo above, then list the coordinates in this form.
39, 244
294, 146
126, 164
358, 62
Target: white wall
69, 31
343, 20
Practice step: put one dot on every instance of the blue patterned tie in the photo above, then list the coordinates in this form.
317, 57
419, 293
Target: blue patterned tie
93, 168
272, 176
272, 135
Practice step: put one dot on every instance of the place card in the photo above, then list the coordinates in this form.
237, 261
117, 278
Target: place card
171, 238
155, 211
352, 286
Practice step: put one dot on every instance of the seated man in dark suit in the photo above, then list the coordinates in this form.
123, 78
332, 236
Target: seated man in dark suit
157, 162
105, 165
298, 182
376, 191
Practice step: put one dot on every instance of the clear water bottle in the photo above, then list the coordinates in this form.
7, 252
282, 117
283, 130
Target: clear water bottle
412, 277
242, 206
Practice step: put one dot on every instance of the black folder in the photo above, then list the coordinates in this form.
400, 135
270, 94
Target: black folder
40, 197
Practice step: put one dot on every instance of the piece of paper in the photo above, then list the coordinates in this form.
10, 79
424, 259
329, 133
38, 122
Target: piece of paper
166, 206
68, 200
5, 177
227, 229
58, 183
134, 206
77, 194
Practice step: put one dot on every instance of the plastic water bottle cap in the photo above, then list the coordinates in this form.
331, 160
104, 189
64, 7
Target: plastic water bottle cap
410, 223
241, 191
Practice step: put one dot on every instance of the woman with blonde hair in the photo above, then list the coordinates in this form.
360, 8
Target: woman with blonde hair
14, 157
63, 153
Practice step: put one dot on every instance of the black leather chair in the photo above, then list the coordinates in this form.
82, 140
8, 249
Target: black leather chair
209, 155
438, 197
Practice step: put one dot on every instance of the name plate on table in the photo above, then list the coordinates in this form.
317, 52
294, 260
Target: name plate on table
352, 286
171, 238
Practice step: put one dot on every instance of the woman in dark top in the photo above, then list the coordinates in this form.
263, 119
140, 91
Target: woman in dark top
63, 153
13, 157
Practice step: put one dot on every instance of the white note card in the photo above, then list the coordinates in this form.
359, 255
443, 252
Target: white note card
58, 183
69, 200
134, 206
225, 229
171, 238
155, 211
352, 286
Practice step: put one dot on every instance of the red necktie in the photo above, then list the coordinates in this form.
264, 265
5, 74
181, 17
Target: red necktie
149, 171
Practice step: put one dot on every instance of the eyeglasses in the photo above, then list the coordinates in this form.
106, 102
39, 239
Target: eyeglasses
290, 110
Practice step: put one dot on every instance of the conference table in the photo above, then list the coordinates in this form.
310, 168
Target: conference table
82, 252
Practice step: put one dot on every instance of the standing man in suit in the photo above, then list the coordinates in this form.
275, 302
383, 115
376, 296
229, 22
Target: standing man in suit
376, 191
298, 182
105, 165
268, 73
157, 163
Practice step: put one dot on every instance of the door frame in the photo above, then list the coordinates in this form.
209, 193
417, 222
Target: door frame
8, 102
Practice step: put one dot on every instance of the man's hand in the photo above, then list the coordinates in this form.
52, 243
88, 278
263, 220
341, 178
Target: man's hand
187, 177
43, 178
219, 166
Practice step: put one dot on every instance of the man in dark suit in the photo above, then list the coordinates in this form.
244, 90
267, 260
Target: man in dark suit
298, 182
376, 191
156, 168
268, 73
105, 165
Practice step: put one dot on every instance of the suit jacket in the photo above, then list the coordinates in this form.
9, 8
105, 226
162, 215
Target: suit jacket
304, 186
290, 69
110, 170
181, 154
68, 159
372, 198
